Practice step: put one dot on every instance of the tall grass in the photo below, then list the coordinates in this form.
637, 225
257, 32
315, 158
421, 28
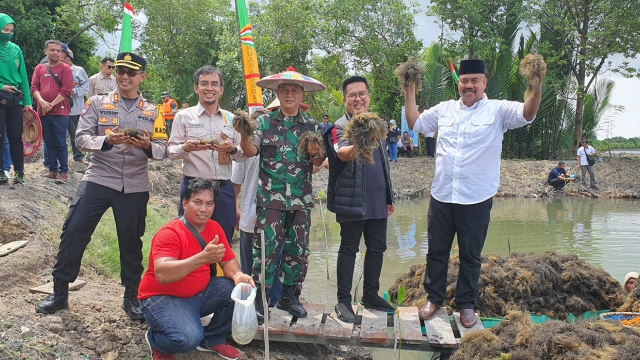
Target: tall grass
103, 253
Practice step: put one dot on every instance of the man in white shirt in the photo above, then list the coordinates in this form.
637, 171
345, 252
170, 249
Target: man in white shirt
207, 121
582, 157
467, 176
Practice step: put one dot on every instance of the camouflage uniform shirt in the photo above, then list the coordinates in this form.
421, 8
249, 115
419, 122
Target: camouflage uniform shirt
285, 177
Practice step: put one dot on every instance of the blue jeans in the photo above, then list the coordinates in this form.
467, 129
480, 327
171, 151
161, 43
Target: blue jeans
6, 155
246, 264
54, 134
174, 323
393, 151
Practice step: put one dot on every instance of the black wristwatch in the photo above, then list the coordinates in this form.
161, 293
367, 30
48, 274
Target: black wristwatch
234, 151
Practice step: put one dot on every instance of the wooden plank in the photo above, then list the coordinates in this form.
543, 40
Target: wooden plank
8, 248
409, 325
374, 326
310, 325
279, 321
463, 330
48, 287
337, 329
439, 332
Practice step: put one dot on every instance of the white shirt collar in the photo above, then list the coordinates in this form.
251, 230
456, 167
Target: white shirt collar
475, 105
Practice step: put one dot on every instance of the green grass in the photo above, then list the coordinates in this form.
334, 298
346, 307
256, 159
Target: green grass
103, 253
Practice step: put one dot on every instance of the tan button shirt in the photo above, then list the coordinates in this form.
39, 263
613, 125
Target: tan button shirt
195, 124
99, 84
118, 167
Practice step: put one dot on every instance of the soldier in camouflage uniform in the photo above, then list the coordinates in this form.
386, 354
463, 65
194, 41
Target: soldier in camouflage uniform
284, 199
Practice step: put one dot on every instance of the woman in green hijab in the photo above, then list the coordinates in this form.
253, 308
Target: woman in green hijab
13, 80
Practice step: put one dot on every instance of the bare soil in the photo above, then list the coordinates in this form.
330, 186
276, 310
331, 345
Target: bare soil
95, 327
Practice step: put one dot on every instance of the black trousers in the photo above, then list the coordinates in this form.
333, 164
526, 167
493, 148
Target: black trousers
12, 118
71, 129
557, 183
470, 223
375, 239
430, 144
87, 208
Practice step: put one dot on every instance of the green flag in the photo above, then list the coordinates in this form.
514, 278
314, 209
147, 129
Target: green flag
126, 34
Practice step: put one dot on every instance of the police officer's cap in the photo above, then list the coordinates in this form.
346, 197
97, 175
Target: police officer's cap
131, 60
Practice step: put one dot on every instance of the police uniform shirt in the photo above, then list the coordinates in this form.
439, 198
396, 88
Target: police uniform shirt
195, 124
469, 146
118, 167
100, 84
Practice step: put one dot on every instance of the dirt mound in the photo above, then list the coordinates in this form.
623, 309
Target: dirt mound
521, 339
549, 284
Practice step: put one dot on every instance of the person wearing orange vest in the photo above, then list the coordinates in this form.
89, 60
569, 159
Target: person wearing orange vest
169, 108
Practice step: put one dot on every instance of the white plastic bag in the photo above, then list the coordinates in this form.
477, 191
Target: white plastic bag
244, 324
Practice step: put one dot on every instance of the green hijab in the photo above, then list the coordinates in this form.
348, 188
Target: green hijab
8, 50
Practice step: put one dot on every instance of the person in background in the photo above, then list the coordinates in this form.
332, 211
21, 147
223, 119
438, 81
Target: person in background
630, 281
13, 80
80, 88
558, 177
585, 160
51, 86
185, 105
104, 81
169, 110
392, 140
430, 143
325, 125
406, 145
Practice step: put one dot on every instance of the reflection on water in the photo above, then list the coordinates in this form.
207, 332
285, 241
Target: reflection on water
602, 232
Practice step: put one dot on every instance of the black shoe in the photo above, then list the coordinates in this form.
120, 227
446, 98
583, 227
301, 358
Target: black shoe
18, 179
130, 304
3, 178
345, 312
377, 303
57, 301
289, 302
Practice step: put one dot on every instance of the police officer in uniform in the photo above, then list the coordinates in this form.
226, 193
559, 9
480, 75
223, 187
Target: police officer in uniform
117, 177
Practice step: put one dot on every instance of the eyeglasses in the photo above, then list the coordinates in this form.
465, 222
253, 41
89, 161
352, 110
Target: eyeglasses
206, 84
363, 95
131, 73
110, 67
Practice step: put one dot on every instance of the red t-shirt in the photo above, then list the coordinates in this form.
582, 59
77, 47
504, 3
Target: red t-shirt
176, 241
49, 89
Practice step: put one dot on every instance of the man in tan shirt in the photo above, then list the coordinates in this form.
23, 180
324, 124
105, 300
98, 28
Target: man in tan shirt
102, 82
208, 122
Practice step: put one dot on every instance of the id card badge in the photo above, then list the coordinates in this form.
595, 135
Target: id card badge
224, 158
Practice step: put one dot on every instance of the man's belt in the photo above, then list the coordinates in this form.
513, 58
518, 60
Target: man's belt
220, 183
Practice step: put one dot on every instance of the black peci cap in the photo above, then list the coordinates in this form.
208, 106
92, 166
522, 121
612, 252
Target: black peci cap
471, 67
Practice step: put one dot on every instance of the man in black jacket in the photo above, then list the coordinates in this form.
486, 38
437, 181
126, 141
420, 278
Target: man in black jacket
353, 195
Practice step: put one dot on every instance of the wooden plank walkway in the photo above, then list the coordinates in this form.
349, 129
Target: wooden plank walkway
372, 329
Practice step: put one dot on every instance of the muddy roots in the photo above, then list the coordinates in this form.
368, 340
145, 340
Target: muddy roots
364, 131
132, 132
533, 69
409, 72
243, 123
307, 138
209, 142
545, 284
519, 338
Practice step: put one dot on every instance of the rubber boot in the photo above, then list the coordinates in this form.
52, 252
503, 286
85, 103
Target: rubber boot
57, 301
289, 301
130, 304
371, 284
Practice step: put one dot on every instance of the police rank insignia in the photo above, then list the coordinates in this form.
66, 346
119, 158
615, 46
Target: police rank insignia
141, 104
114, 121
108, 106
116, 97
147, 112
103, 119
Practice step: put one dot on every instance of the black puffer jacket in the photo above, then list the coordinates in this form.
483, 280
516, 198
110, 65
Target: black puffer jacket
347, 180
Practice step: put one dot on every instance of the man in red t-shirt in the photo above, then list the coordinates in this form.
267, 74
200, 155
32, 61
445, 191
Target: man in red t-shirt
178, 287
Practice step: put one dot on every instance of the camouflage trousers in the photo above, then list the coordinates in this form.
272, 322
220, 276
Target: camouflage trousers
285, 232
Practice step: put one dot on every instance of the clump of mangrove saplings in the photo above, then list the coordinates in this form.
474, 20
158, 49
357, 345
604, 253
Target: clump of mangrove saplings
243, 123
364, 131
548, 283
409, 72
307, 138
